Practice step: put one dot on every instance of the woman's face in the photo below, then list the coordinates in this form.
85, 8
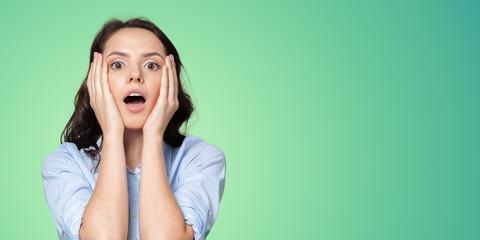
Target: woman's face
134, 57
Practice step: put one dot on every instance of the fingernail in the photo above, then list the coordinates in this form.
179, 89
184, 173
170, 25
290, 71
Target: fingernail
173, 59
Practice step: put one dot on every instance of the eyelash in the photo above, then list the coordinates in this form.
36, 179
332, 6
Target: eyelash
156, 65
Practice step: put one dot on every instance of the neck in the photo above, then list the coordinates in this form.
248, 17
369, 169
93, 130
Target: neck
133, 144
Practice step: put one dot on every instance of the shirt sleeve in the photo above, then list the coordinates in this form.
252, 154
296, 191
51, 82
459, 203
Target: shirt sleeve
67, 191
200, 189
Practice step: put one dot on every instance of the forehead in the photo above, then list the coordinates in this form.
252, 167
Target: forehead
135, 41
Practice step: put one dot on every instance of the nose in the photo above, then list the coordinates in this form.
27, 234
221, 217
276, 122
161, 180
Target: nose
135, 75
136, 79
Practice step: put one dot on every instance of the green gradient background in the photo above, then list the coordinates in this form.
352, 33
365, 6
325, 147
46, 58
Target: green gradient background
338, 119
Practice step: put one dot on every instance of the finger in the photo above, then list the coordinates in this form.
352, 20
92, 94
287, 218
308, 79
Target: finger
176, 78
105, 86
93, 75
98, 72
171, 79
164, 84
89, 80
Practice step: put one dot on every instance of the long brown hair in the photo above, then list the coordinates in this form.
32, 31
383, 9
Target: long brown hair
83, 128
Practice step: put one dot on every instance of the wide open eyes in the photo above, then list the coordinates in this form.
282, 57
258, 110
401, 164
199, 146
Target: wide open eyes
152, 66
117, 65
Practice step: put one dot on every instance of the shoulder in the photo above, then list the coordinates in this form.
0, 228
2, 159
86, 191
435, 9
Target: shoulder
67, 151
197, 149
195, 145
66, 157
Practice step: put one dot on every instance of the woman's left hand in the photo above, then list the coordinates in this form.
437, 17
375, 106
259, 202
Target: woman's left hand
167, 102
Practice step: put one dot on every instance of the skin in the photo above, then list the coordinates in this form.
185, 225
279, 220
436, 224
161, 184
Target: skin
133, 138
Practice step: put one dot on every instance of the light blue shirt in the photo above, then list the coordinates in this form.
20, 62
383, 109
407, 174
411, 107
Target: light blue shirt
195, 170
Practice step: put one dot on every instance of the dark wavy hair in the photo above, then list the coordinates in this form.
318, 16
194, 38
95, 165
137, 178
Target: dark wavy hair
83, 128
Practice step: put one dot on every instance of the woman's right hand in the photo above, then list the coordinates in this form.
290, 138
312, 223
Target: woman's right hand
101, 98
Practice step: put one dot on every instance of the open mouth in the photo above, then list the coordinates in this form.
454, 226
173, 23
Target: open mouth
134, 99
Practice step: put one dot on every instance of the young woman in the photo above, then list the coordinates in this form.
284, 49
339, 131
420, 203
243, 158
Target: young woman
128, 112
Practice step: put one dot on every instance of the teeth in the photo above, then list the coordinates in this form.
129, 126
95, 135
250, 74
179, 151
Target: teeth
135, 95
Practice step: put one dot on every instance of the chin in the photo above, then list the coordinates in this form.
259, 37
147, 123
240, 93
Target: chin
133, 127
135, 121
134, 124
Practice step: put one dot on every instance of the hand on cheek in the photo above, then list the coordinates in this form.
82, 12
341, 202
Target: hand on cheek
167, 102
101, 99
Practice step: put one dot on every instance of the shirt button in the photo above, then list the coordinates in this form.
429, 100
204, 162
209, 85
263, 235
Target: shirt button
208, 213
135, 198
135, 214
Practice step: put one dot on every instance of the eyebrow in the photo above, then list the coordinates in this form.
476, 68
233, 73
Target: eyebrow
123, 54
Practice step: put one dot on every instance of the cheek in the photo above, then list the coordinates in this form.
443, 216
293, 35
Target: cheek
153, 83
114, 86
154, 91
